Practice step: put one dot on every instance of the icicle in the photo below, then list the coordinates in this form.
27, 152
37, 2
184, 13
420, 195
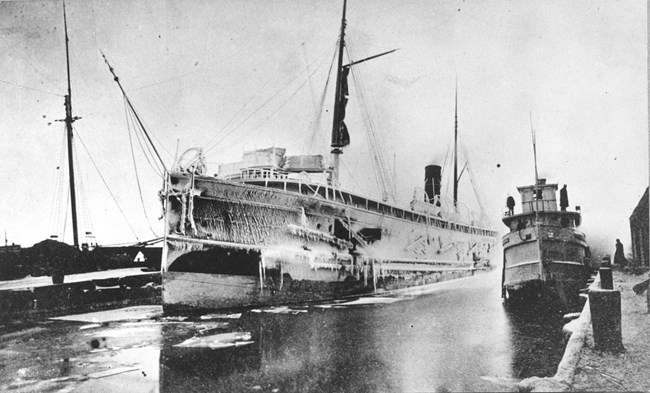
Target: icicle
261, 278
311, 260
374, 276
190, 211
357, 270
183, 213
365, 274
303, 217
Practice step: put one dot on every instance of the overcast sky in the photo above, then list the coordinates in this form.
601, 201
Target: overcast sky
233, 76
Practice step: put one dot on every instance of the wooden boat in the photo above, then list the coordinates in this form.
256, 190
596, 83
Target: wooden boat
545, 256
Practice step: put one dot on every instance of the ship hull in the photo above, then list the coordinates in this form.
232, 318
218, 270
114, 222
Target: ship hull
233, 244
544, 264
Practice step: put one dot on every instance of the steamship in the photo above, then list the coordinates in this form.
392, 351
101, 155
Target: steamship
279, 229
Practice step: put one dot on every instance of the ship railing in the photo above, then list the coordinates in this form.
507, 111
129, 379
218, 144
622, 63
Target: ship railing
316, 185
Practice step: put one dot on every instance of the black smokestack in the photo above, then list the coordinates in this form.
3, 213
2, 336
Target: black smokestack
432, 178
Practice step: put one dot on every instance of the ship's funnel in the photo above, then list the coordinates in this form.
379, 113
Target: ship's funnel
432, 181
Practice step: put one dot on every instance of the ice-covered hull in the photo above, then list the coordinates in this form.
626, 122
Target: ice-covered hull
276, 241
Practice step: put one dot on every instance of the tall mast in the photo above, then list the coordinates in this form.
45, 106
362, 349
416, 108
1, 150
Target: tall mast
68, 124
532, 130
456, 148
336, 148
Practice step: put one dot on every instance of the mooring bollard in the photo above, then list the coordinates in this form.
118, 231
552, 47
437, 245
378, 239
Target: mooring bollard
605, 270
605, 308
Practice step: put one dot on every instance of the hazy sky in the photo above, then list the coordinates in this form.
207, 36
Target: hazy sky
236, 73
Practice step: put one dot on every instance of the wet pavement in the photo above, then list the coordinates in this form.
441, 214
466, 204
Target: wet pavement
458, 338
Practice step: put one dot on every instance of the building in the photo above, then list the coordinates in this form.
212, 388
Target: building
639, 231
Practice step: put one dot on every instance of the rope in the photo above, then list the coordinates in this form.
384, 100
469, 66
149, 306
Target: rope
318, 112
144, 146
30, 88
285, 101
81, 191
55, 210
37, 71
381, 167
107, 187
137, 176
218, 139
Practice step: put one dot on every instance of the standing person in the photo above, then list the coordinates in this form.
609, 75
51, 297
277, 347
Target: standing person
564, 199
510, 203
619, 255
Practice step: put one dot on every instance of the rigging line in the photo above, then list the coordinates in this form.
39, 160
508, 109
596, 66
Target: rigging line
144, 147
315, 125
131, 121
351, 175
146, 134
79, 70
208, 149
144, 128
39, 72
377, 154
137, 178
65, 216
311, 87
14, 45
253, 96
144, 131
241, 109
31, 88
165, 80
55, 209
84, 200
106, 185
146, 152
201, 69
284, 102
269, 116
477, 193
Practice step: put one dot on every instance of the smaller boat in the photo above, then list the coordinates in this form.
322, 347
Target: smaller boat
545, 256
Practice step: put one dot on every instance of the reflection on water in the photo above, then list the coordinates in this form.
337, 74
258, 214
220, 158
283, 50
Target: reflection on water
459, 338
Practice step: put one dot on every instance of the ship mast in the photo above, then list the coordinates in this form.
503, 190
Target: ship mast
532, 130
69, 119
336, 139
456, 148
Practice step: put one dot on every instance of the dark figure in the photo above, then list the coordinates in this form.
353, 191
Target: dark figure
564, 199
619, 255
510, 203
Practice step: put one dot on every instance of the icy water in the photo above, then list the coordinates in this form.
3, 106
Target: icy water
458, 338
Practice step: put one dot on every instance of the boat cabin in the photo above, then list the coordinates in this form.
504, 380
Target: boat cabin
539, 205
537, 198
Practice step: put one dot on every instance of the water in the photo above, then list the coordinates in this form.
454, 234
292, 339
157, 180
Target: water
459, 338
